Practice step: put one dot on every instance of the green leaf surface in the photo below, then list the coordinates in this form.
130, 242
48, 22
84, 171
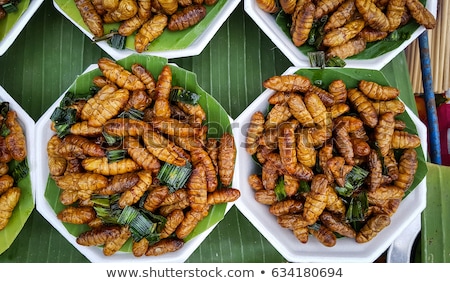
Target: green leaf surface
351, 77
217, 120
8, 22
169, 40
435, 218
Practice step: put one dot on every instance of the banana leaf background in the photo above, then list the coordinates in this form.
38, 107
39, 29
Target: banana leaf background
50, 53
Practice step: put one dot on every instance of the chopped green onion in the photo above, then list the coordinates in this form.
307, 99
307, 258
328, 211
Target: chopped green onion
10, 7
116, 155
117, 41
20, 170
335, 61
304, 187
182, 95
354, 179
317, 59
280, 192
63, 118
132, 114
175, 177
357, 208
4, 108
107, 207
110, 140
4, 130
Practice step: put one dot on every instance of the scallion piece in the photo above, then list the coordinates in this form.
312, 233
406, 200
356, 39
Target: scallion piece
63, 118
116, 155
280, 192
132, 114
174, 176
183, 95
20, 170
317, 59
335, 62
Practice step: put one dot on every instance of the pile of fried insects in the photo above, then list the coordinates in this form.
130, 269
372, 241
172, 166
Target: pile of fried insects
13, 162
343, 28
336, 161
134, 161
146, 19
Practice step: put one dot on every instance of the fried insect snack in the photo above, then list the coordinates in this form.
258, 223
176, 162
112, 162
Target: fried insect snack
378, 92
164, 246
226, 159
8, 201
119, 75
359, 140
302, 21
149, 31
340, 16
373, 226
121, 165
187, 17
125, 10
270, 6
343, 34
352, 47
77, 215
421, 14
254, 132
372, 14
90, 17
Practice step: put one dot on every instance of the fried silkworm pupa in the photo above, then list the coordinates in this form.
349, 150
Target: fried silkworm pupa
339, 17
140, 248
145, 76
155, 197
302, 22
255, 182
101, 165
403, 140
395, 106
77, 215
124, 11
288, 83
384, 131
169, 7
15, 140
133, 194
56, 163
223, 195
8, 201
187, 17
164, 246
269, 6
371, 35
325, 7
352, 47
288, 6
364, 107
407, 168
173, 220
421, 14
119, 75
191, 219
288, 206
394, 12
372, 227
254, 132
316, 199
120, 183
324, 235
343, 34
372, 14
336, 225
98, 236
197, 188
376, 91
149, 31
226, 158
90, 17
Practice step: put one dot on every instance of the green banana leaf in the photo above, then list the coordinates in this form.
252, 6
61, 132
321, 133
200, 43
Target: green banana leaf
169, 40
351, 77
7, 23
373, 49
218, 122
